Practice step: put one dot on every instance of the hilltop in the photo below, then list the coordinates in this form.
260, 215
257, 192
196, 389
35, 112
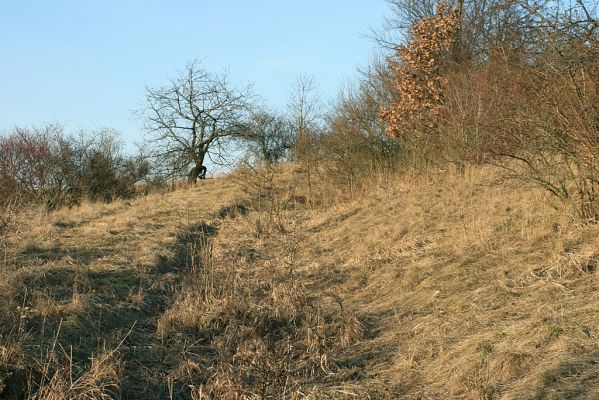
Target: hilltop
428, 232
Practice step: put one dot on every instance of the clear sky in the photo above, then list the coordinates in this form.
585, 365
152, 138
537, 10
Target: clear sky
86, 63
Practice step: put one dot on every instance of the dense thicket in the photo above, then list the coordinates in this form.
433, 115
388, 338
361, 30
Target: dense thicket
45, 165
513, 84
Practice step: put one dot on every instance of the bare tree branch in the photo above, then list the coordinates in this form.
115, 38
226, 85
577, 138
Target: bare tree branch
195, 115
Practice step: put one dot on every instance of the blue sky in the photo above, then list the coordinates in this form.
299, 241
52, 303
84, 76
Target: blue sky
86, 63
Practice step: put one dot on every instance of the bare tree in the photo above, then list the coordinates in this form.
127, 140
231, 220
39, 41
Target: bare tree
193, 117
304, 106
305, 115
269, 136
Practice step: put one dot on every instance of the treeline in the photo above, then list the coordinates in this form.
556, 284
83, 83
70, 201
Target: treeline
512, 84
46, 165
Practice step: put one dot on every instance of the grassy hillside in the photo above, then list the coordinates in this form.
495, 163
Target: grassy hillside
445, 286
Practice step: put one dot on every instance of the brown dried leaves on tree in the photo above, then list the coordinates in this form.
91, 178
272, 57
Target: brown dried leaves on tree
418, 73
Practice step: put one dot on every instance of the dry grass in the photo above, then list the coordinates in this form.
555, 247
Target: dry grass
422, 287
474, 290
254, 326
81, 278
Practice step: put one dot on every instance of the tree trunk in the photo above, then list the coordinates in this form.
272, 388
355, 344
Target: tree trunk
198, 171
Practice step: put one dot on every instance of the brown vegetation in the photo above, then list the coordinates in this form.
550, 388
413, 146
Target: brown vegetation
418, 252
424, 288
530, 110
419, 75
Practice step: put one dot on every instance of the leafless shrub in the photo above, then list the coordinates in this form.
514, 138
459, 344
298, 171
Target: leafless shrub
356, 143
536, 121
45, 165
269, 137
553, 141
306, 112
265, 189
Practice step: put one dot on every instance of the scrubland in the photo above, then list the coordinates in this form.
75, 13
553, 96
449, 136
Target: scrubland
422, 286
430, 234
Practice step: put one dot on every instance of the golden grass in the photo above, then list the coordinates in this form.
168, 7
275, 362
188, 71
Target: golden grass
93, 271
432, 286
475, 290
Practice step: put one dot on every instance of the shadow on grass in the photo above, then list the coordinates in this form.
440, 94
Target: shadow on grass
233, 211
183, 250
575, 379
106, 314
36, 255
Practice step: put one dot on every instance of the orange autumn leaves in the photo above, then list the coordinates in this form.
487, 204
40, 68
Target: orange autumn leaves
418, 74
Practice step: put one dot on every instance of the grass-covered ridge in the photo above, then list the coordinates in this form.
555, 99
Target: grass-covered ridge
427, 287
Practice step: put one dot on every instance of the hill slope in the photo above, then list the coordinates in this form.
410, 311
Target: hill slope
444, 287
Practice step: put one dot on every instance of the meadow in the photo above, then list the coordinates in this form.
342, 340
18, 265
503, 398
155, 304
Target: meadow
445, 285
